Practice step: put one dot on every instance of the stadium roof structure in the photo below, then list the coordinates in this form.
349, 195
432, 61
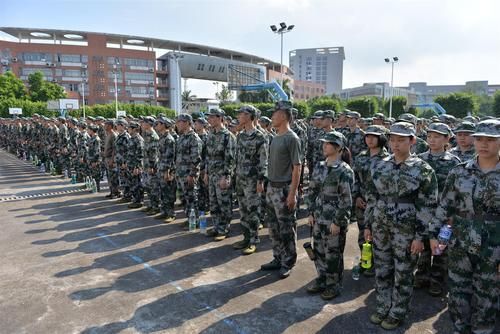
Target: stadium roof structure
72, 36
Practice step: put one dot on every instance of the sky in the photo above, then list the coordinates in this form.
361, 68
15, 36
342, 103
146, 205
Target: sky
437, 41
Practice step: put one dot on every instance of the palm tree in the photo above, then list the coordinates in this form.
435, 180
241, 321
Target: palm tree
186, 96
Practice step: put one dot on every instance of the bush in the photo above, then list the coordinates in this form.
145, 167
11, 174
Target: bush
366, 106
458, 104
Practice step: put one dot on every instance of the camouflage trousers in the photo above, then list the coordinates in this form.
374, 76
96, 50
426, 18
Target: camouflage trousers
168, 192
124, 178
360, 217
64, 163
221, 206
95, 173
394, 265
248, 201
282, 226
431, 268
474, 281
113, 180
81, 169
329, 250
189, 194
203, 194
136, 188
152, 187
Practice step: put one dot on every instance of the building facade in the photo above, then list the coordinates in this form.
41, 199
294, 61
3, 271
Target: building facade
319, 65
305, 90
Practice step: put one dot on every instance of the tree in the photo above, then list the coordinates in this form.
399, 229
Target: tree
325, 103
286, 87
187, 96
11, 86
496, 104
398, 106
366, 106
225, 95
43, 91
485, 103
458, 104
262, 96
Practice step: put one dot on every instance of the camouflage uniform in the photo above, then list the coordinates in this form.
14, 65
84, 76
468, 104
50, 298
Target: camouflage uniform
94, 157
420, 146
166, 166
203, 193
109, 159
329, 201
135, 159
121, 157
356, 142
406, 198
435, 272
251, 167
220, 163
360, 188
64, 157
187, 163
463, 155
82, 165
470, 199
151, 179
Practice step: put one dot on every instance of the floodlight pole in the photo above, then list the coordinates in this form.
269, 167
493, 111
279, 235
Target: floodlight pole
282, 30
83, 97
392, 61
116, 91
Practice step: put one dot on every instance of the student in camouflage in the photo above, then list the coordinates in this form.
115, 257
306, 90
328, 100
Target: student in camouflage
465, 142
285, 163
329, 203
200, 125
121, 158
93, 157
109, 159
219, 169
420, 145
470, 202
375, 139
82, 151
166, 170
251, 172
432, 270
355, 137
135, 165
187, 162
315, 133
406, 192
151, 165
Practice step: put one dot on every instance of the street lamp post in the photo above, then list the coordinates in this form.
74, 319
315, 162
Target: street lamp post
116, 89
392, 61
83, 96
282, 30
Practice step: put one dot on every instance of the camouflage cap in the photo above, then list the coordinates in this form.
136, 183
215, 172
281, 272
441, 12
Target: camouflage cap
471, 119
216, 112
133, 125
201, 120
121, 122
82, 125
234, 122
184, 117
334, 137
376, 130
100, 118
265, 119
465, 127
93, 127
329, 114
353, 114
295, 112
402, 128
90, 118
149, 120
283, 105
110, 122
318, 114
379, 115
440, 128
247, 108
488, 128
447, 118
407, 117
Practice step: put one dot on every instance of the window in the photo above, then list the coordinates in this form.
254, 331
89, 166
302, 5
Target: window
37, 56
138, 62
69, 58
201, 67
139, 76
72, 73
46, 71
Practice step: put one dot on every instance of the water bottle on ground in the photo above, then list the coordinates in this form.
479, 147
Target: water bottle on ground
94, 186
443, 239
42, 167
65, 173
203, 223
73, 178
192, 221
356, 269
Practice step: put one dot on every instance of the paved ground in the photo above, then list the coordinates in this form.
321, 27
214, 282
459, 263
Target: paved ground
73, 262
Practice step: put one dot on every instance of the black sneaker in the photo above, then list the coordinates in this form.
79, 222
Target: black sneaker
275, 264
284, 272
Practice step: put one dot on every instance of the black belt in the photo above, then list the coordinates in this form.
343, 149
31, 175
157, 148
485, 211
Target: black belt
279, 184
483, 217
398, 200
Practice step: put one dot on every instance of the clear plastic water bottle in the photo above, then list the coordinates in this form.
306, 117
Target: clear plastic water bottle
203, 223
73, 178
87, 182
443, 239
192, 221
65, 173
356, 269
42, 167
94, 186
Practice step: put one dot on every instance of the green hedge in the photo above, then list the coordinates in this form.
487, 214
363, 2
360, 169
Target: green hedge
266, 108
105, 110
